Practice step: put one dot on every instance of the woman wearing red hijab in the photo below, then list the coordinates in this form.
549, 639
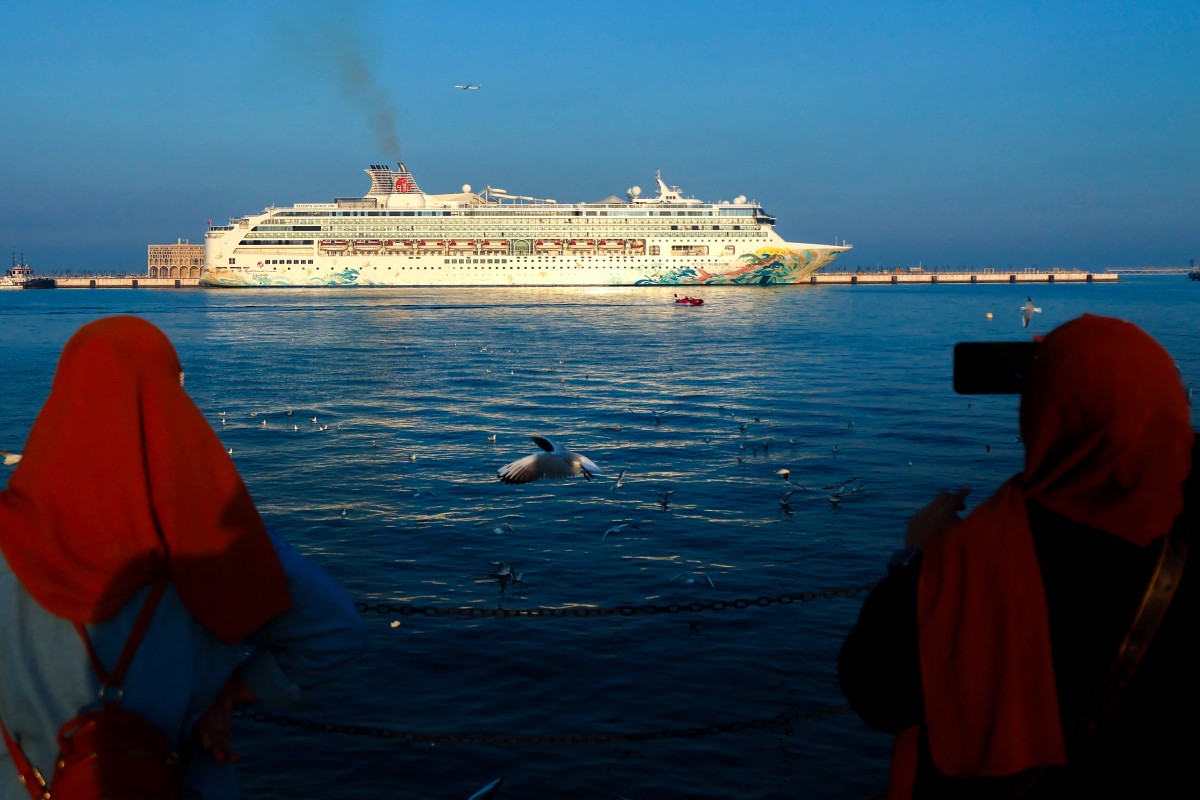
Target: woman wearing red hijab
991, 647
122, 482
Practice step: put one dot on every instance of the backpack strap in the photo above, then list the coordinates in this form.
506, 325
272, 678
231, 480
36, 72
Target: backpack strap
113, 680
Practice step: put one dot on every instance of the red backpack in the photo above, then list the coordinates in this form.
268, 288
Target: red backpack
108, 752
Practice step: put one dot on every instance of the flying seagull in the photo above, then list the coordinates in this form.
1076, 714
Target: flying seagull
488, 791
690, 577
466, 86
10, 458
1029, 308
552, 462
618, 529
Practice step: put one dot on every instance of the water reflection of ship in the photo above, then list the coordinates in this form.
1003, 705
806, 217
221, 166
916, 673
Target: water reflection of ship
20, 276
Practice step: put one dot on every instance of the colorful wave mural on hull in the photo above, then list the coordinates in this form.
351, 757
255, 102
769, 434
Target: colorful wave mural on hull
766, 266
770, 265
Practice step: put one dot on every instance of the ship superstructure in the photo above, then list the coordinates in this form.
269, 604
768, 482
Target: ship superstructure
399, 235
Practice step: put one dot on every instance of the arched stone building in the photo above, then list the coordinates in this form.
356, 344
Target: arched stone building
179, 260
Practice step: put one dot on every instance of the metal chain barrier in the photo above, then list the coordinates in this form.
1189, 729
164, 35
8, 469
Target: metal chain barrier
616, 611
574, 739
793, 715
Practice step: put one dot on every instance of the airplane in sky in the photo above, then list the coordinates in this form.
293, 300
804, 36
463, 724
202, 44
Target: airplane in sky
466, 86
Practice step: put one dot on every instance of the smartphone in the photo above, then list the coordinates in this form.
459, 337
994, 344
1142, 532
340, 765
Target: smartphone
991, 367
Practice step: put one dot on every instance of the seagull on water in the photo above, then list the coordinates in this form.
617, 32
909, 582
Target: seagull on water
552, 462
1029, 308
664, 498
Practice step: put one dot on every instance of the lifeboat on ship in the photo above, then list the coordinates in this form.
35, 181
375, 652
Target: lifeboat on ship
581, 244
548, 244
689, 301
611, 245
461, 247
369, 245
334, 245
493, 245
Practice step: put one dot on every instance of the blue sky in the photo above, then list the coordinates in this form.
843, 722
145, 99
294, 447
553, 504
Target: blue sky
948, 134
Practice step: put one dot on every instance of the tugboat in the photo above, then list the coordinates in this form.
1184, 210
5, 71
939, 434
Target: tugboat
689, 301
20, 276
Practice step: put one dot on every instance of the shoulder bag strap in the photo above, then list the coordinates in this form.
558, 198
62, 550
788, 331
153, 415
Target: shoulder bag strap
136, 634
1155, 602
31, 779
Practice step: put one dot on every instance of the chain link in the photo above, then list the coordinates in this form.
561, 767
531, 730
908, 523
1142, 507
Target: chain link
694, 607
792, 715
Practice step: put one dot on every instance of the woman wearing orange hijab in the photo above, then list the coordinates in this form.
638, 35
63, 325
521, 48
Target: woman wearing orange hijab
987, 643
123, 481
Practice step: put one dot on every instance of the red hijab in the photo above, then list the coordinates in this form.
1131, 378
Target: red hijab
123, 477
1108, 442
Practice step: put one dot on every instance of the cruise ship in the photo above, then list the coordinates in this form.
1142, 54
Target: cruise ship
398, 235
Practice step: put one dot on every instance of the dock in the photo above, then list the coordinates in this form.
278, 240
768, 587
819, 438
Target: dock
124, 282
972, 276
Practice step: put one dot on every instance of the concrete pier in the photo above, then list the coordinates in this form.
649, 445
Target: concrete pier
979, 276
125, 282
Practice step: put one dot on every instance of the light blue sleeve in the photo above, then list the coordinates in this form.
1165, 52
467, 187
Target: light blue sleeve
308, 645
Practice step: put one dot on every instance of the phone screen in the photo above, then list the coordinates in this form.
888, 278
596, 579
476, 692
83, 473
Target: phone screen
991, 367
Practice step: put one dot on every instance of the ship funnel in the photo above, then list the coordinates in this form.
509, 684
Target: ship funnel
385, 181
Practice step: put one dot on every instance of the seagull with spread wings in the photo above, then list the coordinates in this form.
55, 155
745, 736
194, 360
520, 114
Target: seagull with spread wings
552, 462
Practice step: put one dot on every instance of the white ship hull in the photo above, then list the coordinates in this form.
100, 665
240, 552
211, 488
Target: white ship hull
399, 236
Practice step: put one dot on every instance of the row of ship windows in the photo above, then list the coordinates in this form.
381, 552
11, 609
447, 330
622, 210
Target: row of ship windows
723, 212
539, 266
517, 226
578, 263
233, 261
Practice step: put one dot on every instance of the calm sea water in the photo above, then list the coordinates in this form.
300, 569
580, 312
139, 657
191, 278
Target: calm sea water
398, 499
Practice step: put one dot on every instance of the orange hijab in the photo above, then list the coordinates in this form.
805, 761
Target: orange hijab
1108, 442
121, 478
